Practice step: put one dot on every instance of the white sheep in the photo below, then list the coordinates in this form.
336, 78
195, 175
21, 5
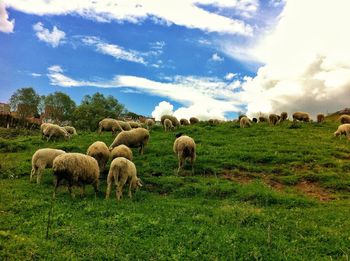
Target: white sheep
185, 147
125, 126
194, 120
41, 159
121, 151
244, 122
135, 138
134, 124
168, 125
76, 169
149, 123
173, 119
343, 129
109, 124
55, 131
301, 116
184, 122
100, 152
344, 119
71, 130
120, 171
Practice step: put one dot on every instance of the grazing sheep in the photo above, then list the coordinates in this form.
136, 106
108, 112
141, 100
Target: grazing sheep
71, 130
320, 117
284, 116
263, 119
241, 116
301, 116
55, 131
121, 151
194, 120
76, 169
99, 151
149, 123
213, 121
109, 124
43, 158
244, 122
274, 119
343, 129
120, 172
168, 125
255, 120
185, 147
344, 119
125, 126
133, 139
184, 122
42, 128
173, 119
134, 124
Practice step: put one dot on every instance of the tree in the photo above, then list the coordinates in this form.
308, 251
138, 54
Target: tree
59, 106
95, 108
25, 102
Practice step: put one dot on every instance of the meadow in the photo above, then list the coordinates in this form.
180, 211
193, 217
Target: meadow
259, 193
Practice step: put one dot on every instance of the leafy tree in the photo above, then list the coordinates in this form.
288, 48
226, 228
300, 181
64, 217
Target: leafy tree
59, 106
25, 102
95, 108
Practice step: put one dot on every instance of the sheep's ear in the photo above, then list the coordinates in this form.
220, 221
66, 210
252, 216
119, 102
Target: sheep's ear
139, 183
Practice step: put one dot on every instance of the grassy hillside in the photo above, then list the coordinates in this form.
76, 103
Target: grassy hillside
258, 193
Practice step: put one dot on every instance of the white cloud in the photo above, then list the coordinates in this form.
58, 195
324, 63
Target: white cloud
230, 76
161, 109
306, 61
35, 75
6, 25
54, 38
187, 13
114, 50
216, 58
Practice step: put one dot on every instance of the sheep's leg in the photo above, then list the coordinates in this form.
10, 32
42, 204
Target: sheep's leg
39, 175
141, 149
181, 163
32, 173
129, 193
120, 186
57, 183
70, 185
83, 190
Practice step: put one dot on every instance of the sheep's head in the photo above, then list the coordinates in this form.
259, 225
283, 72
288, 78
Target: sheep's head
136, 183
336, 134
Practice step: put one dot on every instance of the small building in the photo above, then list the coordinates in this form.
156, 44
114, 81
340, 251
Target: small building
5, 108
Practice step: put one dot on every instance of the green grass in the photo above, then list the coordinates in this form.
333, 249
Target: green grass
208, 215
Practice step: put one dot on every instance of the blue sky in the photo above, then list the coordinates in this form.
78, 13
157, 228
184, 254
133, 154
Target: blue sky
205, 58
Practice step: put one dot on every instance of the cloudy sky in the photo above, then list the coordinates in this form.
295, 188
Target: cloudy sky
204, 58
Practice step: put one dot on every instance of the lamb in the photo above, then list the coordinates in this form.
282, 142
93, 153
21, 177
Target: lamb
184, 122
76, 169
344, 119
121, 151
173, 119
149, 123
194, 120
244, 122
133, 139
185, 147
100, 152
109, 125
71, 130
120, 171
263, 119
56, 131
168, 125
125, 126
274, 119
320, 118
43, 158
284, 116
343, 129
301, 116
134, 124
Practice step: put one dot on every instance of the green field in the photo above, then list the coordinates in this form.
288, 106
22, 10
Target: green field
266, 193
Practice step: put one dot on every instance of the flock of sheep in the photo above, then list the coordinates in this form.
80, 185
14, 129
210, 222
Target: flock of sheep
82, 169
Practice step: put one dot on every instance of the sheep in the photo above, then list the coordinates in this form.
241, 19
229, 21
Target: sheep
109, 124
125, 126
71, 130
344, 119
255, 120
42, 127
320, 117
185, 147
121, 151
184, 122
213, 121
301, 116
120, 171
149, 123
274, 119
343, 129
241, 116
134, 124
133, 139
168, 125
100, 152
76, 169
54, 130
41, 159
173, 119
263, 119
194, 120
284, 116
244, 122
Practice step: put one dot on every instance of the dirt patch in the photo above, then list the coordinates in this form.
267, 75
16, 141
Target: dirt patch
314, 190
275, 184
237, 177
